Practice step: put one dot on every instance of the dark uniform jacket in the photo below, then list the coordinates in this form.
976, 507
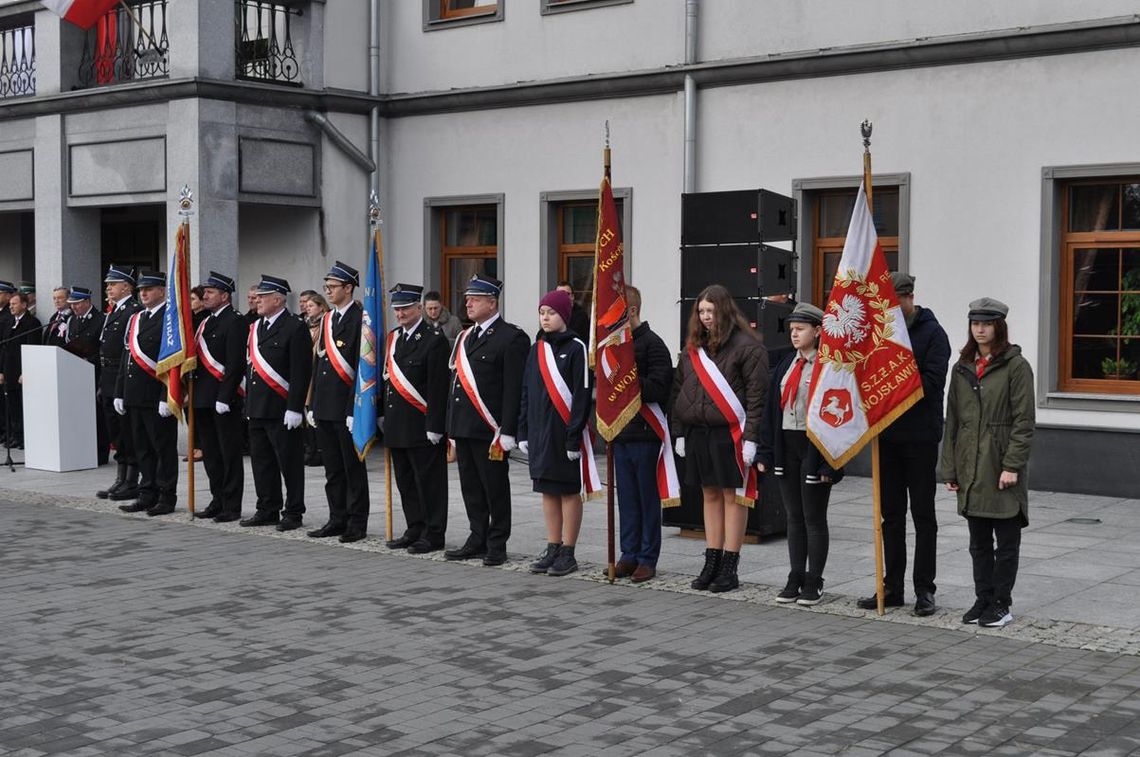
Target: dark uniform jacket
288, 348
134, 385
548, 437
655, 373
15, 335
225, 335
923, 422
497, 359
83, 336
423, 360
332, 396
51, 335
113, 344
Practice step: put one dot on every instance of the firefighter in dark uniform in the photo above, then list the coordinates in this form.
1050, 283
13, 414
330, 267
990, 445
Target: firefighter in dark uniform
83, 332
218, 397
482, 418
141, 396
119, 288
277, 378
330, 411
415, 419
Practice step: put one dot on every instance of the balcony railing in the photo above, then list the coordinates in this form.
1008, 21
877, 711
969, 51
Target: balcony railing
126, 44
263, 35
17, 61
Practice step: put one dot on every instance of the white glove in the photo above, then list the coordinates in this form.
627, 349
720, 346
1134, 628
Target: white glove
573, 455
221, 408
380, 424
311, 420
434, 438
120, 408
507, 443
524, 447
164, 410
292, 419
348, 419
749, 453
679, 446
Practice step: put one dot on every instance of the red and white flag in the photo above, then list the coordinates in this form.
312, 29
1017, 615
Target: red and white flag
866, 375
82, 13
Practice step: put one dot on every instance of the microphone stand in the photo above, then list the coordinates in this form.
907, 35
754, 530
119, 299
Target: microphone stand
8, 432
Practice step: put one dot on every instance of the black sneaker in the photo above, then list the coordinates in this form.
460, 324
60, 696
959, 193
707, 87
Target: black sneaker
790, 593
546, 559
811, 593
997, 615
564, 564
976, 611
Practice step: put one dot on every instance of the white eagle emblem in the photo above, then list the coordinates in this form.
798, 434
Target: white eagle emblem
846, 321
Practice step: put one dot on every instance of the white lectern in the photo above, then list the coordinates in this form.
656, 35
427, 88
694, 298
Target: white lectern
59, 410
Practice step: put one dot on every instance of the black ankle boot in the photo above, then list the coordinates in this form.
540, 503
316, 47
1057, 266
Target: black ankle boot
130, 487
726, 579
708, 573
120, 476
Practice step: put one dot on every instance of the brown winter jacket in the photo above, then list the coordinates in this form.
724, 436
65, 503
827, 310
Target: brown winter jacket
744, 363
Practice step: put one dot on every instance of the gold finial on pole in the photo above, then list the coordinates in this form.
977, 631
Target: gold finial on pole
185, 201
374, 211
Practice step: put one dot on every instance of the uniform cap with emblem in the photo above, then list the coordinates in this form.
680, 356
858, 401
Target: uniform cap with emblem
219, 281
805, 312
7, 287
78, 294
405, 295
272, 285
120, 273
27, 287
903, 282
988, 309
483, 286
344, 273
151, 279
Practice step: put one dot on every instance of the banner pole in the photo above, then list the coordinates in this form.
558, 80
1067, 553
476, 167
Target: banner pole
612, 570
388, 493
190, 453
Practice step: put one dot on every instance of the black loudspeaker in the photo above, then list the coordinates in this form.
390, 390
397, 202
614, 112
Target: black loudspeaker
745, 270
764, 520
776, 271
737, 217
777, 217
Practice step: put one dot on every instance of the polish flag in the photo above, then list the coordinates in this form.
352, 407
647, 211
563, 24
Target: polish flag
82, 13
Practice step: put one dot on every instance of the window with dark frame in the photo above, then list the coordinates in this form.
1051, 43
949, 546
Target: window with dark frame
832, 214
449, 9
469, 237
577, 235
1099, 348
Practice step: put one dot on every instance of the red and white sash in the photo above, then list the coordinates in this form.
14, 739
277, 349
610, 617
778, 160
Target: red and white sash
141, 358
668, 483
211, 363
398, 380
561, 398
467, 380
729, 405
275, 380
340, 364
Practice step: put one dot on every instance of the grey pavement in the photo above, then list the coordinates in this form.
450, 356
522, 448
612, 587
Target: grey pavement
1078, 585
128, 636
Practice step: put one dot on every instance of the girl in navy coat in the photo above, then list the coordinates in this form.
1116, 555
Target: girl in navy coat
552, 421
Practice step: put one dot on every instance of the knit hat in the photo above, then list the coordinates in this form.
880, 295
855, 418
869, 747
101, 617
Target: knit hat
560, 302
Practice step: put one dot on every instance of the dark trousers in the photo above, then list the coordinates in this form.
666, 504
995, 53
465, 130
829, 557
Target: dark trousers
903, 469
14, 399
346, 479
421, 476
156, 442
276, 453
119, 432
806, 508
219, 438
995, 570
639, 502
102, 436
486, 488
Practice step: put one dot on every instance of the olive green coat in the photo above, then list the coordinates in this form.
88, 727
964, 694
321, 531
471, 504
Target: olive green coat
989, 428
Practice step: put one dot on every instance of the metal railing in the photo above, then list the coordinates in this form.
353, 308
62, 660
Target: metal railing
263, 37
17, 61
126, 44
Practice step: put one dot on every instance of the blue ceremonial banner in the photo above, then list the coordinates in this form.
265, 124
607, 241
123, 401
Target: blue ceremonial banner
178, 353
372, 332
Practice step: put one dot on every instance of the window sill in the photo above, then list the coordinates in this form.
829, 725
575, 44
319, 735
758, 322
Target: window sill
436, 24
1118, 403
568, 6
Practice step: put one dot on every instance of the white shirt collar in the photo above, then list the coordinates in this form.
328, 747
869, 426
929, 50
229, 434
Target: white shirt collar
269, 319
344, 309
120, 303
411, 329
152, 310
487, 323
220, 310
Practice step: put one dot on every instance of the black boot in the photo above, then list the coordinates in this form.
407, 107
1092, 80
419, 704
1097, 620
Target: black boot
708, 573
726, 579
120, 476
130, 487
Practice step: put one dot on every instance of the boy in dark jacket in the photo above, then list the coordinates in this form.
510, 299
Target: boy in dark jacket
636, 450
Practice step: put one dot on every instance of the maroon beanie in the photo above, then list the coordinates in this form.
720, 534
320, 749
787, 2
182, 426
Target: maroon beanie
560, 302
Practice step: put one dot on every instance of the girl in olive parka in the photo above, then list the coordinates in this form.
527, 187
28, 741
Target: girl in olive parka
990, 420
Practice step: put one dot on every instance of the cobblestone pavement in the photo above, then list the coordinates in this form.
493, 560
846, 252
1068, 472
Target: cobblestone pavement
129, 636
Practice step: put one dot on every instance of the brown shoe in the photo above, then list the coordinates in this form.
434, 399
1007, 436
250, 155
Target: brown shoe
643, 574
624, 568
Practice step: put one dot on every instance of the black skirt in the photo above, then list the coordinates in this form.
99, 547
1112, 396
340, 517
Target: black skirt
561, 488
710, 458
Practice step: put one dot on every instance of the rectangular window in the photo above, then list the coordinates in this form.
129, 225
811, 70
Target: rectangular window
469, 237
1099, 297
832, 213
446, 13
570, 226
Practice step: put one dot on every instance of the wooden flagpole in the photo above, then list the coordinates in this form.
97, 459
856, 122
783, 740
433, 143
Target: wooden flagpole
377, 244
190, 455
611, 571
876, 498
186, 209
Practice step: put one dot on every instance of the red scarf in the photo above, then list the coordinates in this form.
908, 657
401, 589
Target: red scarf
792, 385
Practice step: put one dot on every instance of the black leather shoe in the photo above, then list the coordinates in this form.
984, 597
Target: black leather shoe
924, 604
466, 552
327, 530
166, 509
261, 519
493, 559
136, 507
227, 517
422, 547
348, 537
289, 524
872, 602
403, 542
212, 511
125, 492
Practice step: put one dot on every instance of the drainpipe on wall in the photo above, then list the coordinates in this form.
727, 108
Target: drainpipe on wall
374, 91
690, 170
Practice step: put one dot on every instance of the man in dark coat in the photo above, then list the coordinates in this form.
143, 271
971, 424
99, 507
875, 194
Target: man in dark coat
414, 413
153, 426
119, 288
333, 392
55, 330
218, 398
482, 418
277, 379
908, 458
83, 332
23, 329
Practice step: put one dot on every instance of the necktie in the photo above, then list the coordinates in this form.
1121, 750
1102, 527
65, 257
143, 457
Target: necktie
792, 386
980, 365
336, 318
263, 329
